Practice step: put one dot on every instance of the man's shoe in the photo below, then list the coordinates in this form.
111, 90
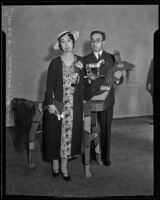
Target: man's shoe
107, 163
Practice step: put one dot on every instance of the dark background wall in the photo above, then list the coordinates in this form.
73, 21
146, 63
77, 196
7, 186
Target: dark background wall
31, 31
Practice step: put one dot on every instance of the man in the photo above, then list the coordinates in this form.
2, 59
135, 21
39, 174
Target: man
149, 83
98, 39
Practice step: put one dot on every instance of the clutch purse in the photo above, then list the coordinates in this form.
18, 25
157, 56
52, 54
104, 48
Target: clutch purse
59, 106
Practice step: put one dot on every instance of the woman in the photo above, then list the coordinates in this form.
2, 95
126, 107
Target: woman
63, 118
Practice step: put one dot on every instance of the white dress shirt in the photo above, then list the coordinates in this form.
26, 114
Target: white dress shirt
96, 54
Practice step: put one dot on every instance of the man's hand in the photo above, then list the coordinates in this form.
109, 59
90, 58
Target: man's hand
117, 75
52, 109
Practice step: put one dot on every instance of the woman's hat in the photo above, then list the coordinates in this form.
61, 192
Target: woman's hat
75, 34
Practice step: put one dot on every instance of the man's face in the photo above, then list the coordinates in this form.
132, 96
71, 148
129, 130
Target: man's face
97, 42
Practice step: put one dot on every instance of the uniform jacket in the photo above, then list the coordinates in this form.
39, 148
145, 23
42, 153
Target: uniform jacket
104, 69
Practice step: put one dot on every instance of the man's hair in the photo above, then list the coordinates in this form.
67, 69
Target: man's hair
71, 37
99, 32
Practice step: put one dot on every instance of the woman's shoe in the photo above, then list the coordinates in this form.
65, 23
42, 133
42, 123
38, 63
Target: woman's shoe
55, 172
66, 176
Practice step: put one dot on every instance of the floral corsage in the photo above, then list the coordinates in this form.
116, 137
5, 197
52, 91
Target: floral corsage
76, 76
79, 65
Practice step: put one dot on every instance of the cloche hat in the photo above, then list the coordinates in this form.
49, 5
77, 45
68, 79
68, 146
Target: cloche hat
75, 34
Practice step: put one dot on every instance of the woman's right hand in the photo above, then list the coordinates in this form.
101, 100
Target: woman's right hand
52, 109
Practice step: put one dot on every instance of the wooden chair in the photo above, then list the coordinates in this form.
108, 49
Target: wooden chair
95, 131
92, 130
36, 122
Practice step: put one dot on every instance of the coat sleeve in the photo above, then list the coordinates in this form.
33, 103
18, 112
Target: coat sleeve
50, 84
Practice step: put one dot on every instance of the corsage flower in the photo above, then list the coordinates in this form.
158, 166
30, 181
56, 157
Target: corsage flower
79, 64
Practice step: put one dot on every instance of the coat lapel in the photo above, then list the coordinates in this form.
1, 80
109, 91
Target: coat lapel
105, 67
93, 58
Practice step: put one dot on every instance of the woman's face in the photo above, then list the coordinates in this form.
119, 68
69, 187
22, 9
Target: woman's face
66, 44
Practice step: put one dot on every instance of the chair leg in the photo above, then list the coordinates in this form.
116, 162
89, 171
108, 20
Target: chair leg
87, 155
97, 150
88, 171
32, 135
87, 131
97, 142
32, 154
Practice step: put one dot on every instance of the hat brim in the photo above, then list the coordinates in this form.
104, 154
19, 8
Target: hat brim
75, 34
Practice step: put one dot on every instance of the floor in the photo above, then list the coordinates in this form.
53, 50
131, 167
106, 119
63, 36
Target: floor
130, 173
